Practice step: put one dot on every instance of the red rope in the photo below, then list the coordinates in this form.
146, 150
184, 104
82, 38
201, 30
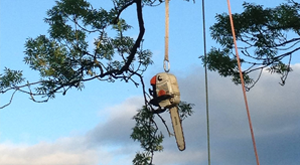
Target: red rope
242, 82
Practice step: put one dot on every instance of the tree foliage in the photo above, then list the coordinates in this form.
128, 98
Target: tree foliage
65, 59
147, 132
267, 39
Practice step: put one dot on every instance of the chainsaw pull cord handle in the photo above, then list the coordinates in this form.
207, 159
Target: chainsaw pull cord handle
166, 60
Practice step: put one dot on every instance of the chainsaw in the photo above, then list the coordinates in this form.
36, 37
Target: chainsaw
166, 95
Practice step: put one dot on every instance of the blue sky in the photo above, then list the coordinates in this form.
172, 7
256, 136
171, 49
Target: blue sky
92, 126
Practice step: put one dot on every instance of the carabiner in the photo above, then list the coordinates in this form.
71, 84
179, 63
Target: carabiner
166, 66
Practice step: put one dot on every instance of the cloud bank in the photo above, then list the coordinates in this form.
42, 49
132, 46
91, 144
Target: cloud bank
275, 113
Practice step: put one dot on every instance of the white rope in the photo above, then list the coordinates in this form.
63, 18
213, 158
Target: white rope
166, 59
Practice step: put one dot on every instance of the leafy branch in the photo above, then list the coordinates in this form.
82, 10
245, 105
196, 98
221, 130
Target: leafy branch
64, 59
267, 39
147, 132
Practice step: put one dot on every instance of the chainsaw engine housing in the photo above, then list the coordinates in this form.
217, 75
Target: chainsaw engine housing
165, 90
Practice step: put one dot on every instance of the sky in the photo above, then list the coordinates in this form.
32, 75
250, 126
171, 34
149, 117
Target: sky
92, 127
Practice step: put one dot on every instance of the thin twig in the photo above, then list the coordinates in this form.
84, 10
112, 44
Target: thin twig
10, 101
164, 122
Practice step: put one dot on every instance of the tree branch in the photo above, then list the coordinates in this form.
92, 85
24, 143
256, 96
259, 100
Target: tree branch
11, 98
115, 21
139, 39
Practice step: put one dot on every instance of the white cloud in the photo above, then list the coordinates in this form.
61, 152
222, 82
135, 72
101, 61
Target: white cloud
170, 157
102, 145
119, 124
62, 151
